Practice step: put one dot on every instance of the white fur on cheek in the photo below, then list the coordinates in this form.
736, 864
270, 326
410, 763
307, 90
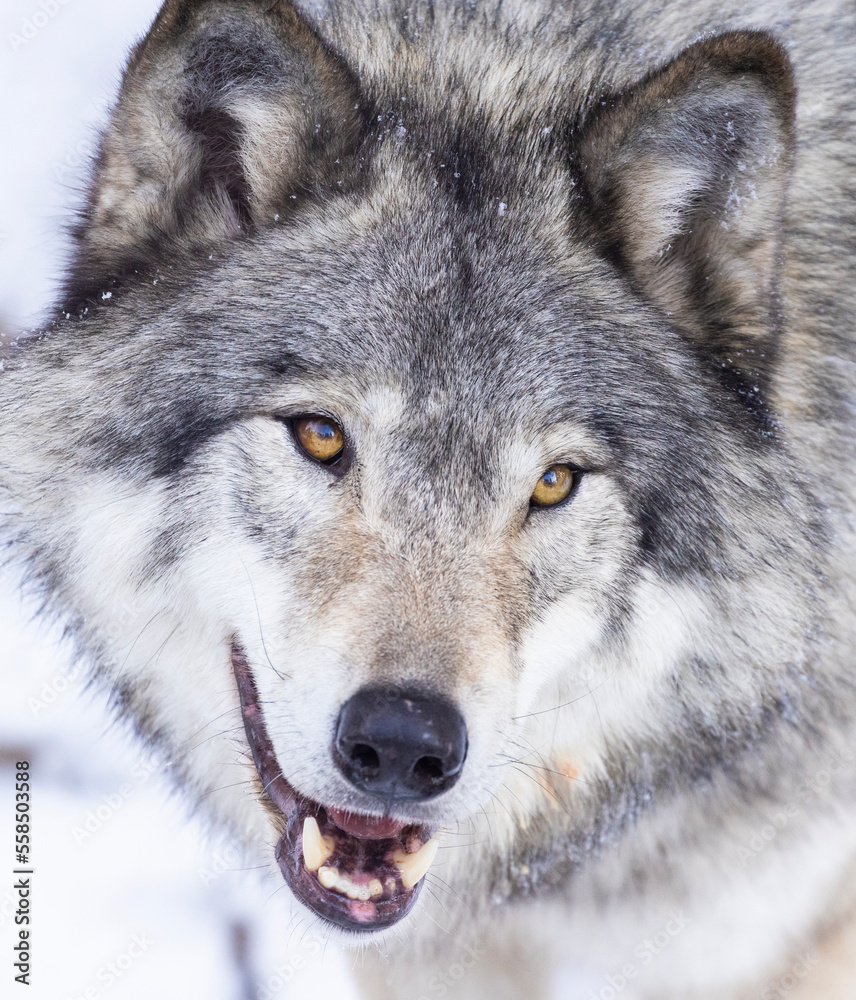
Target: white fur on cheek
592, 695
555, 647
154, 638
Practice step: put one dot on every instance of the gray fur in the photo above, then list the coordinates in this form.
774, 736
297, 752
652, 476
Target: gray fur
485, 238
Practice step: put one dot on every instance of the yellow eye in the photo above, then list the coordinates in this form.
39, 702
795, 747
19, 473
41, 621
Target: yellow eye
321, 438
556, 483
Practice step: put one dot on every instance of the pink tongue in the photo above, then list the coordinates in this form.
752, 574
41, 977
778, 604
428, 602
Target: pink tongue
365, 827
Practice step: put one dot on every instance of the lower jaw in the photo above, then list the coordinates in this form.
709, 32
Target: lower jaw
360, 884
362, 888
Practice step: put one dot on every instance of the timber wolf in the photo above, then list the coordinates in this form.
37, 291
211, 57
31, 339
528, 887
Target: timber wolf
443, 447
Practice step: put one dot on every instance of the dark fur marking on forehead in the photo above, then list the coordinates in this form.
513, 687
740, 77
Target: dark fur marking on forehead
455, 152
467, 165
284, 363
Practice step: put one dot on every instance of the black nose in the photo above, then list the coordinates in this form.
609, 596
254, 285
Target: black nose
400, 746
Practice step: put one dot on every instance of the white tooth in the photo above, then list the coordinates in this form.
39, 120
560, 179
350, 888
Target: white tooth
328, 877
316, 849
364, 894
353, 891
390, 884
414, 866
343, 883
375, 888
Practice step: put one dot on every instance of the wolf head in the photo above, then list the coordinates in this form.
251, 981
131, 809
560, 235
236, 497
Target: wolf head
409, 431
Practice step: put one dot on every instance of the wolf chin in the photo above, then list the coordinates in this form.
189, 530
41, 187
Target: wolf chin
443, 449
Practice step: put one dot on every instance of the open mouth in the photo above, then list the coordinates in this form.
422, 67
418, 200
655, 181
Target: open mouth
360, 872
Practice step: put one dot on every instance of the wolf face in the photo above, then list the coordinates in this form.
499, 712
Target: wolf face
538, 329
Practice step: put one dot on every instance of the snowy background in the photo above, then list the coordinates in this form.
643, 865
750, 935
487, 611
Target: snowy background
132, 898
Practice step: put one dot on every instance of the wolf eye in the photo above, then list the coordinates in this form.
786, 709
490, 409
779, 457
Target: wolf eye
554, 486
320, 438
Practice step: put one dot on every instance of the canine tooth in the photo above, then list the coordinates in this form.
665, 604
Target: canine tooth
375, 888
328, 877
316, 849
414, 866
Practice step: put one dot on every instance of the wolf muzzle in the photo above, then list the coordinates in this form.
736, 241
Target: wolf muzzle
361, 872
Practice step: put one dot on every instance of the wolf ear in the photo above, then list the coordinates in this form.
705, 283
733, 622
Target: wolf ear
686, 174
228, 107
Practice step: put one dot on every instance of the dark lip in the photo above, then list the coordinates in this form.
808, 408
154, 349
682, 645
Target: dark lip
374, 857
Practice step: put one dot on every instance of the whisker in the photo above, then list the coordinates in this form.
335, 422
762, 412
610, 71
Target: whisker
573, 701
259, 617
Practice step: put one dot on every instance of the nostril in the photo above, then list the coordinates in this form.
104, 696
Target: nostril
365, 757
429, 769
